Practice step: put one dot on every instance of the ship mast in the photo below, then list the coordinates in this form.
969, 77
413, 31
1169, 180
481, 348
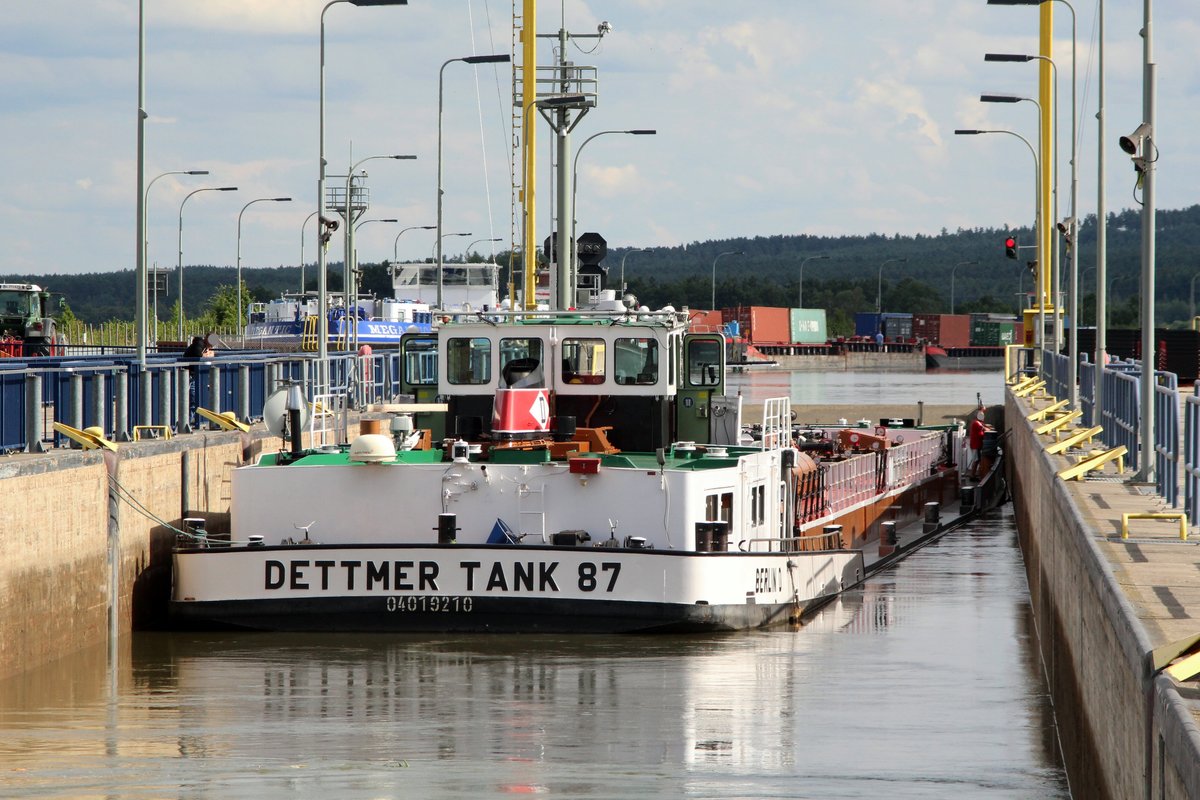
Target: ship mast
568, 93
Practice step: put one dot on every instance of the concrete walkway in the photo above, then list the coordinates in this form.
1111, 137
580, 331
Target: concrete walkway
1141, 607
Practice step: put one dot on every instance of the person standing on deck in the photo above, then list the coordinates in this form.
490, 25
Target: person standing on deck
975, 441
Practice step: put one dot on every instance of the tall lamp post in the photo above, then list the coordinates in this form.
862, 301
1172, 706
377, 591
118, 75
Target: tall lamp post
879, 283
627, 254
952, 271
303, 225
499, 58
800, 291
396, 244
713, 307
477, 241
575, 188
179, 276
1041, 221
1037, 216
241, 327
350, 288
146, 241
323, 298
355, 261
1072, 223
1055, 274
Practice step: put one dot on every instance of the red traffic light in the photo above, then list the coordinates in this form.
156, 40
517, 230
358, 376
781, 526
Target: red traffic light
1010, 247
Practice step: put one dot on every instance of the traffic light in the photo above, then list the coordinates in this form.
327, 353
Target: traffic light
1010, 247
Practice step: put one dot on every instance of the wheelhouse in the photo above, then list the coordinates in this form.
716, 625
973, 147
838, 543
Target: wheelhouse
645, 372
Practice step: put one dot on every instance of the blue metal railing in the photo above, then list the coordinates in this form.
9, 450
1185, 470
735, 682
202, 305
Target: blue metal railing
1120, 412
108, 391
1191, 456
1166, 439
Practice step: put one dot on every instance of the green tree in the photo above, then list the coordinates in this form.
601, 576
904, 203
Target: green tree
220, 310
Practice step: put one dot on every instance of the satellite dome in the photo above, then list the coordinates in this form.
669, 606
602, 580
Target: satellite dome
372, 448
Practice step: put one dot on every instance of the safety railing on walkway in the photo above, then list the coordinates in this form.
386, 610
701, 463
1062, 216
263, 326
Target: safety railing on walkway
115, 393
1119, 420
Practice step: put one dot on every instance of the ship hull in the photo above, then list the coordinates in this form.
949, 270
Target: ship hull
500, 588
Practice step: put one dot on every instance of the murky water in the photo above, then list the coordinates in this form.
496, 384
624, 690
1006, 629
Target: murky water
924, 684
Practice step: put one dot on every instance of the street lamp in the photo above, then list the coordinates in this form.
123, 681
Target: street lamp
800, 291
437, 246
635, 250
952, 271
303, 225
146, 241
575, 182
350, 288
323, 299
713, 307
1037, 215
1055, 278
879, 283
179, 278
477, 241
499, 58
241, 328
396, 244
1073, 227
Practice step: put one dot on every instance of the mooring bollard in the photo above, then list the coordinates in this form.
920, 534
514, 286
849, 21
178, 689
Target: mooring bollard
887, 538
966, 497
932, 517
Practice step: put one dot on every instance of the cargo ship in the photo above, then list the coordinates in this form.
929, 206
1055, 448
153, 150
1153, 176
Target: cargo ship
561, 472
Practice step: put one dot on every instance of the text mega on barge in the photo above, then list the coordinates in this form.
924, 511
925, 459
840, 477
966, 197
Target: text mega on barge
593, 482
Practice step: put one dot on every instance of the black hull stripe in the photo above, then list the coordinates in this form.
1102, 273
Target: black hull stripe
487, 615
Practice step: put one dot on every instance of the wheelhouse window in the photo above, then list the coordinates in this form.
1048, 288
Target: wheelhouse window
468, 361
704, 362
521, 363
583, 361
718, 507
636, 361
420, 361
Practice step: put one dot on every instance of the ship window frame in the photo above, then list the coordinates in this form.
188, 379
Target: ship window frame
713, 367
651, 358
597, 347
455, 376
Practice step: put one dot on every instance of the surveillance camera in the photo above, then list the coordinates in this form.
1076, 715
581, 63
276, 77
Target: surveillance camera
1065, 226
604, 28
1133, 142
330, 224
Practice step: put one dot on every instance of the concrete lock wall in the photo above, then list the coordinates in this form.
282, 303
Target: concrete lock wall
1123, 734
57, 514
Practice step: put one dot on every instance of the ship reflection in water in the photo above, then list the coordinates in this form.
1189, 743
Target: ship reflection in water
922, 684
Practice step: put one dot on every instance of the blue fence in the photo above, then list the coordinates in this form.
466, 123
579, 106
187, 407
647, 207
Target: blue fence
114, 392
1120, 417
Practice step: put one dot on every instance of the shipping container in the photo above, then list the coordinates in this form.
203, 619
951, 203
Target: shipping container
807, 326
897, 327
705, 322
987, 333
866, 323
945, 330
762, 324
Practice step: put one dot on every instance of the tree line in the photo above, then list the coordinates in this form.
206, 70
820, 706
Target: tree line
912, 273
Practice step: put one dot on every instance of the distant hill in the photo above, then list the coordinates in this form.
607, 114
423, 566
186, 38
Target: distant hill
767, 274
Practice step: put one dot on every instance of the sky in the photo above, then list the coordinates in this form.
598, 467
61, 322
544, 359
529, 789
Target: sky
772, 117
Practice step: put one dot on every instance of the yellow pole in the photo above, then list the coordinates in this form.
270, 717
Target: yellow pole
529, 247
1046, 99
